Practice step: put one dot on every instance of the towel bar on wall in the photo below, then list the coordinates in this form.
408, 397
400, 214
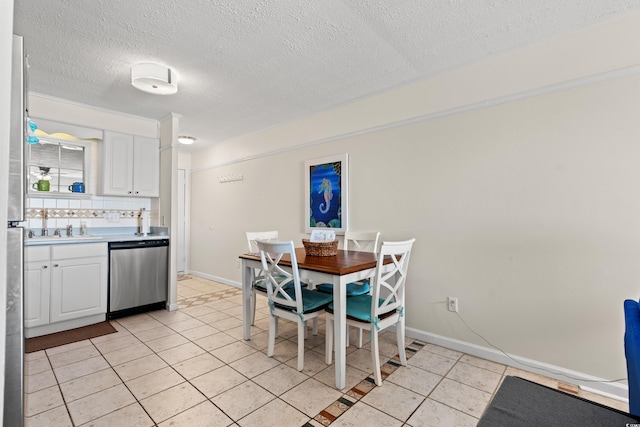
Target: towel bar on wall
229, 178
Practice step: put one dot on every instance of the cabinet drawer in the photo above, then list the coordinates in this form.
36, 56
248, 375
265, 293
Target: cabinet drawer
36, 253
81, 250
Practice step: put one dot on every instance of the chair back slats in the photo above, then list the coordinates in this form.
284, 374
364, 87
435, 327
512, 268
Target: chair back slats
277, 277
252, 236
252, 246
389, 286
363, 241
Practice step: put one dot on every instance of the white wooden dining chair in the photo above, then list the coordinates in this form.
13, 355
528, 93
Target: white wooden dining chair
293, 303
383, 308
258, 284
364, 241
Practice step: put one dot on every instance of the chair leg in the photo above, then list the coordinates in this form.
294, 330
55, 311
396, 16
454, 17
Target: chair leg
315, 326
401, 344
375, 356
302, 330
348, 336
328, 345
359, 337
273, 331
276, 328
253, 307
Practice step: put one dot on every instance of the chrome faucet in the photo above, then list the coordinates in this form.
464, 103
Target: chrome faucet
45, 216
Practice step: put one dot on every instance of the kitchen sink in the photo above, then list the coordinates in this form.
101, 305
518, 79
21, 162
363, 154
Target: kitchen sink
61, 238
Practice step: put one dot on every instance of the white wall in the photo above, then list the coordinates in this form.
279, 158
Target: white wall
526, 209
586, 54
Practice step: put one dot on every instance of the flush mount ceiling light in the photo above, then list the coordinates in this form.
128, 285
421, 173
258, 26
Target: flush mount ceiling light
182, 139
154, 78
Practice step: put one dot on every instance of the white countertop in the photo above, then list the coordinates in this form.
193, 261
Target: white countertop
91, 238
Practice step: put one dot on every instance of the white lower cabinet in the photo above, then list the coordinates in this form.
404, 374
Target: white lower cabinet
37, 284
65, 286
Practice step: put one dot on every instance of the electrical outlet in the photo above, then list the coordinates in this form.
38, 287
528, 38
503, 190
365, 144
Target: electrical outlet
452, 304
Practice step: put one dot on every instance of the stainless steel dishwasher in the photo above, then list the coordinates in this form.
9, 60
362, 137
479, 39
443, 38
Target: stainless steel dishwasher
138, 276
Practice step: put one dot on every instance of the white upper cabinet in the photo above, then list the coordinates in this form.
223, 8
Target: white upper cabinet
129, 165
146, 167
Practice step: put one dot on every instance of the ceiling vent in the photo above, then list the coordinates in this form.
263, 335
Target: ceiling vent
154, 78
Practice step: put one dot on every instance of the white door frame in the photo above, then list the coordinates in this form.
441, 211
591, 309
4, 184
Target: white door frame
182, 243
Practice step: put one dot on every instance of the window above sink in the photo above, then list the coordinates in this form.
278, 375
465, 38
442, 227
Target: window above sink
55, 164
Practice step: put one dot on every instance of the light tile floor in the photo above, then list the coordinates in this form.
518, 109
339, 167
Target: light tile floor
191, 368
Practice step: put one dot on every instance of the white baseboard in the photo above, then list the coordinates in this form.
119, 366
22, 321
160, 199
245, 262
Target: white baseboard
217, 279
586, 382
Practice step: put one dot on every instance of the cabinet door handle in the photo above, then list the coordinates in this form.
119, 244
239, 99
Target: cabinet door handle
45, 266
55, 265
128, 192
137, 192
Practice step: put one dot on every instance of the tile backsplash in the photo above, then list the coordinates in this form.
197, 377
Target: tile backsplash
99, 211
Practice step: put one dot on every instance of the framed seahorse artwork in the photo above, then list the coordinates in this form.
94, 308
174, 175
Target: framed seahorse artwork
326, 193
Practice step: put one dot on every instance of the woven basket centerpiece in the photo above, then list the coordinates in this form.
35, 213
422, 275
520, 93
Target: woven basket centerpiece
320, 248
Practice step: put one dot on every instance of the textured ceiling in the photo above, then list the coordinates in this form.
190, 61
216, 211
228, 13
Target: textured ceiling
244, 66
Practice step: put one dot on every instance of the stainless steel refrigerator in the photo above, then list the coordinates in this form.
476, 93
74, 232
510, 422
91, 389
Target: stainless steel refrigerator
14, 348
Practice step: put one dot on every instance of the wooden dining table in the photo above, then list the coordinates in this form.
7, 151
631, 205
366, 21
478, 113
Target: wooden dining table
345, 267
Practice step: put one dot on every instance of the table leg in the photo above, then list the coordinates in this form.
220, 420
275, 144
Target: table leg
339, 330
246, 299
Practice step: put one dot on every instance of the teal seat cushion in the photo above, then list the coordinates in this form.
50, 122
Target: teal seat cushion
311, 300
261, 285
353, 289
359, 307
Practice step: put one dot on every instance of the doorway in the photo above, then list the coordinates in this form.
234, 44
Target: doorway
181, 244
